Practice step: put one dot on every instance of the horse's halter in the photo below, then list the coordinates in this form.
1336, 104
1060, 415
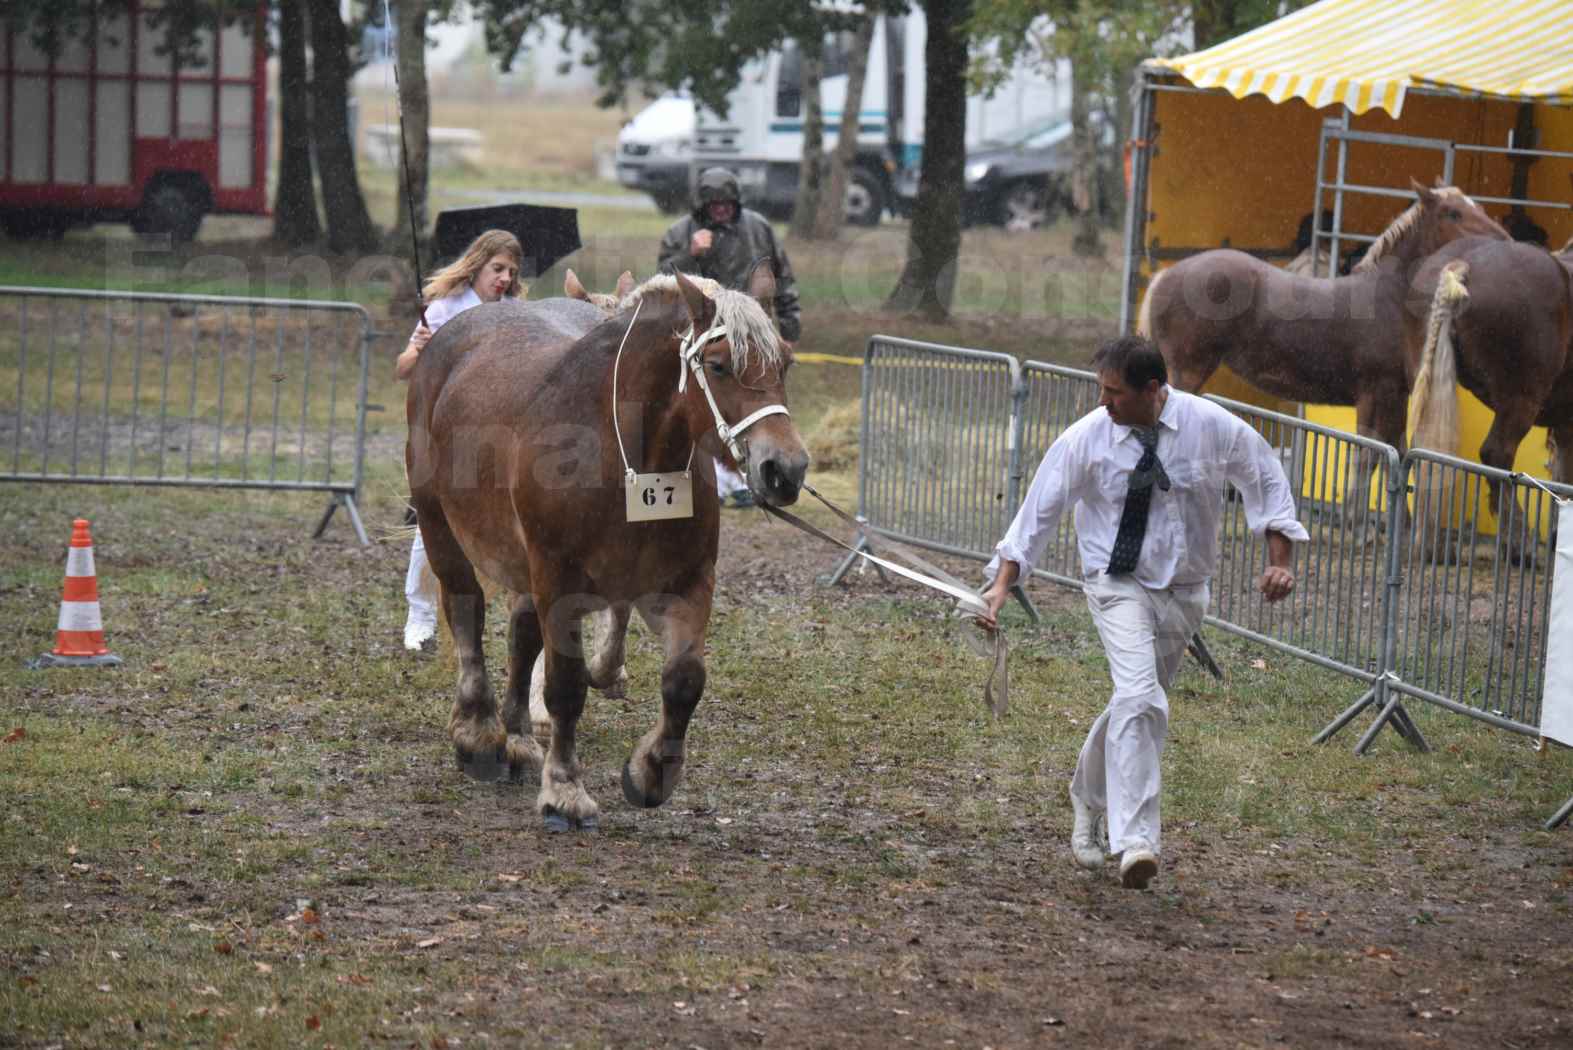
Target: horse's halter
691, 352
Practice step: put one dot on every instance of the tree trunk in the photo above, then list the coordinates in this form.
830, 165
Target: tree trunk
929, 276
415, 123
350, 229
811, 171
832, 201
295, 220
1085, 192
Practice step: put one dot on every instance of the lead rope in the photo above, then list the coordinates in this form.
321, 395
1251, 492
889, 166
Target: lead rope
996, 689
628, 472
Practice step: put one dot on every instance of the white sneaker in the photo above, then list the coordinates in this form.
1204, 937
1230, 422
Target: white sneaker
1137, 868
420, 637
1087, 835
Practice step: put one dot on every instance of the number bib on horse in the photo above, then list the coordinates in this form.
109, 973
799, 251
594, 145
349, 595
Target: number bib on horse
657, 497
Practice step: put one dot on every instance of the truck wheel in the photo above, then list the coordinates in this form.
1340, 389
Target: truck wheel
169, 208
865, 199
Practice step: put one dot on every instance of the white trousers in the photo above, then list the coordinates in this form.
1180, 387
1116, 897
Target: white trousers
1144, 636
420, 587
728, 480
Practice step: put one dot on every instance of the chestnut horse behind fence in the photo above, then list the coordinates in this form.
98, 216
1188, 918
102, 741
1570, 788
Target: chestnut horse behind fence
1327, 341
516, 462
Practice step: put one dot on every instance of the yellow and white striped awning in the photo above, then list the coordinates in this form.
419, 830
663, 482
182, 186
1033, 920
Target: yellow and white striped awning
1368, 53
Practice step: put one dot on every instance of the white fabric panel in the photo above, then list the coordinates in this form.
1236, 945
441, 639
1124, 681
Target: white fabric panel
235, 55
71, 131
29, 59
114, 44
235, 138
149, 42
75, 57
1556, 703
198, 59
153, 109
29, 132
112, 156
196, 111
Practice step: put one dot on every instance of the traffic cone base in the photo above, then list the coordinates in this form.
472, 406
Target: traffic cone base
79, 639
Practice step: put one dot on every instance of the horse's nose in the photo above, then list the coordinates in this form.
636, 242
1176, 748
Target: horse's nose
783, 478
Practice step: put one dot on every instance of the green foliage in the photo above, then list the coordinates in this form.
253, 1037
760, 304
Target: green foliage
645, 44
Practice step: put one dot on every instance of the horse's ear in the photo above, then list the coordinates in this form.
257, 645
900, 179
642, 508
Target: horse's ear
573, 289
1424, 192
625, 284
761, 284
700, 308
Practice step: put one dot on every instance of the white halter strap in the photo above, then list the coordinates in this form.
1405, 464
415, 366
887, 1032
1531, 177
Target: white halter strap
691, 351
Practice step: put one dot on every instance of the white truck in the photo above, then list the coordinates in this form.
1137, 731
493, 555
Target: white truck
760, 136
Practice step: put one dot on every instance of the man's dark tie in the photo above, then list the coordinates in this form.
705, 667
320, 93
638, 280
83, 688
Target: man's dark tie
1138, 501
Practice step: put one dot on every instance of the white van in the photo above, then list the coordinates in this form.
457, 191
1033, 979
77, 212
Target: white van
654, 149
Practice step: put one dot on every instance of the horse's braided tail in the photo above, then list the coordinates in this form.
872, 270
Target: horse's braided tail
1144, 312
1433, 404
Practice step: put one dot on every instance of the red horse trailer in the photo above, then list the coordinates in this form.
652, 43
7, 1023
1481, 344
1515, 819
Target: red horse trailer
116, 128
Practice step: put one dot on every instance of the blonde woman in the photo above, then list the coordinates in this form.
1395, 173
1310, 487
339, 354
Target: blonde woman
486, 272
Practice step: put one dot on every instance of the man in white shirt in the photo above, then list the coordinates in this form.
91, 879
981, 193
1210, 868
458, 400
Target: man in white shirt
1145, 474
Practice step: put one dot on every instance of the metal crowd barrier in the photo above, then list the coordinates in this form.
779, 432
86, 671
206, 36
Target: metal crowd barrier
209, 391
1472, 618
938, 466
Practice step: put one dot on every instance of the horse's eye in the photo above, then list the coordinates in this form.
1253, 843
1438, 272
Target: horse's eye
1454, 215
718, 367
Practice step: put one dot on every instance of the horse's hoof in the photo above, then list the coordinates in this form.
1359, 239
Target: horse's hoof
485, 766
556, 821
634, 795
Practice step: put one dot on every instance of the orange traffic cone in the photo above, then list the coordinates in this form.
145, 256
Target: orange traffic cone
79, 641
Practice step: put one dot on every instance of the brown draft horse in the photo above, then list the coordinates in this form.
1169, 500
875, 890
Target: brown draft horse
516, 474
1329, 341
1510, 347
1510, 338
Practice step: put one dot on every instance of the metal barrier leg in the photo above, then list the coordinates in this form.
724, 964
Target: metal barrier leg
1560, 816
846, 564
1346, 717
1402, 725
354, 513
1026, 603
1198, 649
1408, 730
350, 510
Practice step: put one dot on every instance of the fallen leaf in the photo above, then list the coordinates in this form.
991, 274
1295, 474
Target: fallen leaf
26, 982
1373, 952
197, 1015
14, 735
105, 988
310, 917
430, 942
1260, 665
354, 978
312, 1024
505, 877
223, 947
263, 967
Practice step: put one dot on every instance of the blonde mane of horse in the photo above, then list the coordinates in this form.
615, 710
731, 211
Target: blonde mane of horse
748, 327
1398, 229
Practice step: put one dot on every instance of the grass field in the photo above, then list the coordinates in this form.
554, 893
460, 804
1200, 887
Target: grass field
252, 833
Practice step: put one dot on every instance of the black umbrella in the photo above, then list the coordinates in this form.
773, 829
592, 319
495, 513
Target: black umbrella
547, 234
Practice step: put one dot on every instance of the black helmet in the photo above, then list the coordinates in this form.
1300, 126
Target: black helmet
717, 184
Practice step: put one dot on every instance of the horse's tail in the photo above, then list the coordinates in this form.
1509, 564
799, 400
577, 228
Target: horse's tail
1144, 312
1433, 403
